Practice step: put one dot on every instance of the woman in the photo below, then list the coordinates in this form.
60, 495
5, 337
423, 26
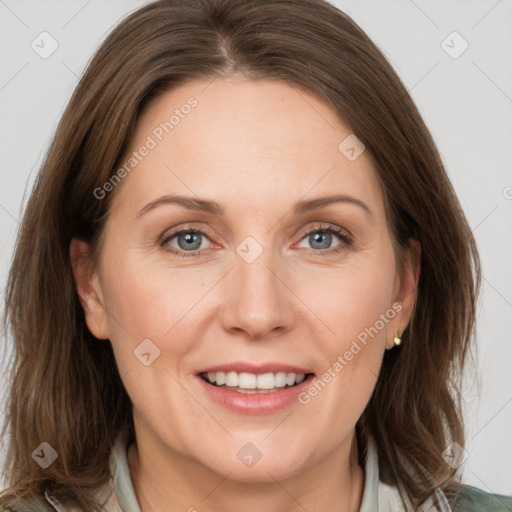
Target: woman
260, 373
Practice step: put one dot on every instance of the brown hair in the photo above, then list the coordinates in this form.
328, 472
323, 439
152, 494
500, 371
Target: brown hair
65, 388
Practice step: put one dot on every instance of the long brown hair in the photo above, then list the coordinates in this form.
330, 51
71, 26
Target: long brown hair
65, 388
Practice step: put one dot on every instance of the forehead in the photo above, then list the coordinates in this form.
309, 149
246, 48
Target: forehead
245, 140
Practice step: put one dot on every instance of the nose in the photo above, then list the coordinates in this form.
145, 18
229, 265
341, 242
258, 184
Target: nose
258, 300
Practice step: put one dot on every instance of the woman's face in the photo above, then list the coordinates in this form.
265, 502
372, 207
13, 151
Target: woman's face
261, 287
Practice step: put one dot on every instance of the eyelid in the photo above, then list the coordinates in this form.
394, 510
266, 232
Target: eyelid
172, 232
162, 240
327, 226
342, 233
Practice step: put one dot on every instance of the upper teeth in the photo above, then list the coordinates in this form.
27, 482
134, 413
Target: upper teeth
246, 380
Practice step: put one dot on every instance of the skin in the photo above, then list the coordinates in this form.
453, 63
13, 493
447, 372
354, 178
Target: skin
255, 148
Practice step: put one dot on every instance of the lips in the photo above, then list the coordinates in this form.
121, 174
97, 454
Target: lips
248, 402
240, 367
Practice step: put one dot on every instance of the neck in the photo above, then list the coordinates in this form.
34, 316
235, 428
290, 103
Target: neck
164, 479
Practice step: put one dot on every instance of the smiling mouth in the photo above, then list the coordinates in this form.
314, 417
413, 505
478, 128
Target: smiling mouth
250, 383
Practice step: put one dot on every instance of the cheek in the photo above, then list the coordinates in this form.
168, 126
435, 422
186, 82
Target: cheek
357, 306
155, 322
145, 303
353, 299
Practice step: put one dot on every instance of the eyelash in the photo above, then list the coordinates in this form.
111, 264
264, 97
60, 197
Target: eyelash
324, 228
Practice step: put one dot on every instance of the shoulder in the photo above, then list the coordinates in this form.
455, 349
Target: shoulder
471, 498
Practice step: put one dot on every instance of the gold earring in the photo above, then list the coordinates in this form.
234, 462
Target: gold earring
398, 338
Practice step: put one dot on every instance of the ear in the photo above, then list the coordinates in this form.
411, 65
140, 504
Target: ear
406, 289
88, 288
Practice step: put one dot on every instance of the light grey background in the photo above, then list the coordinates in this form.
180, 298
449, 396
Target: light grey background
466, 102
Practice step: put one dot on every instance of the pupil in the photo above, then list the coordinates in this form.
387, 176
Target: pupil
318, 237
190, 239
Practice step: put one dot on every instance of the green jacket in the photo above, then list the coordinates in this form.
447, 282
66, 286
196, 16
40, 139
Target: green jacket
118, 494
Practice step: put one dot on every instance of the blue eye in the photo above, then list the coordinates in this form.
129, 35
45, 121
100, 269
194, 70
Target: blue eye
189, 241
323, 238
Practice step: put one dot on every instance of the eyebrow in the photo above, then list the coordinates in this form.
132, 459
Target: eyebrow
210, 206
